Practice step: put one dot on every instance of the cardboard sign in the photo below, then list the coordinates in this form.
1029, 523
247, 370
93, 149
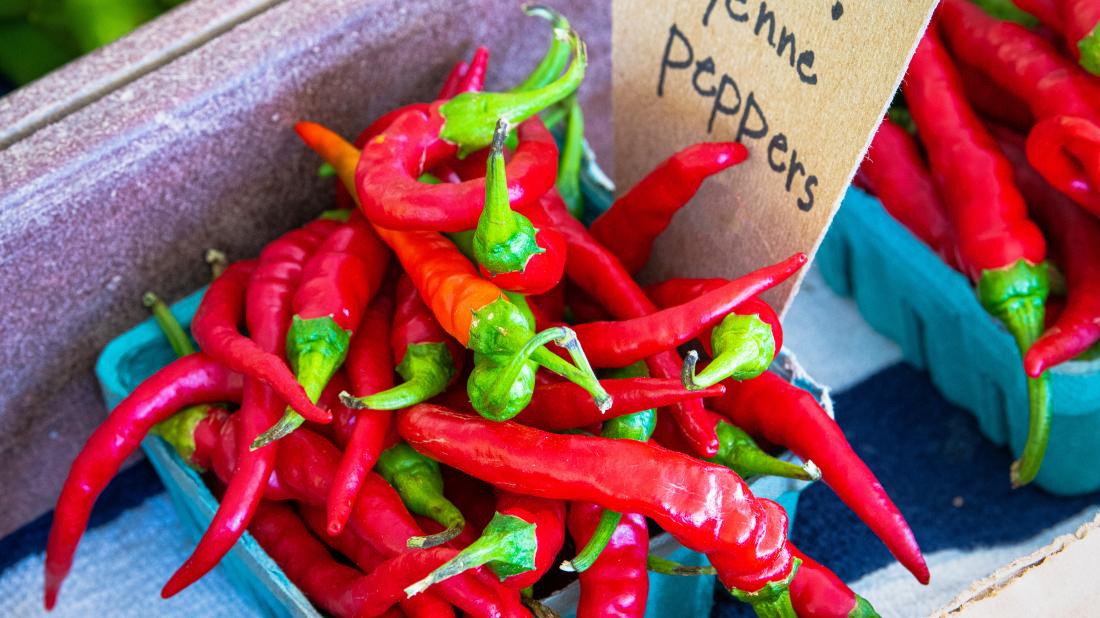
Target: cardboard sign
802, 84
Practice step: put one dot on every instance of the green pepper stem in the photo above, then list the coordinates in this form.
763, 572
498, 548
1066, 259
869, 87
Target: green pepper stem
507, 545
609, 521
774, 599
569, 166
863, 609
664, 566
582, 374
1025, 469
178, 430
1017, 295
427, 369
427, 541
743, 345
739, 452
173, 330
316, 348
217, 261
1089, 46
417, 479
509, 372
504, 240
557, 54
471, 116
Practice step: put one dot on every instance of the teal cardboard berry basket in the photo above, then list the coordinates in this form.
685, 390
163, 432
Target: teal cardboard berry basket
906, 292
138, 353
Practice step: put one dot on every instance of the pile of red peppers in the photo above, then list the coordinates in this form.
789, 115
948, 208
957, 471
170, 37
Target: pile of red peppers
426, 400
993, 160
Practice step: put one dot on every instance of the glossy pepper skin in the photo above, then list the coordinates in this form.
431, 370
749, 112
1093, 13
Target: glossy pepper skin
215, 329
636, 426
415, 142
427, 358
1054, 88
617, 584
337, 282
518, 544
471, 309
366, 558
597, 272
781, 413
999, 247
895, 172
306, 465
563, 405
268, 309
190, 380
738, 451
817, 591
1074, 237
704, 506
335, 587
635, 220
369, 371
625, 342
510, 250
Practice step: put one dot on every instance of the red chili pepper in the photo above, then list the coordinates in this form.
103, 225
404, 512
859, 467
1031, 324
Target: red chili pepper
268, 310
519, 544
223, 453
1075, 239
895, 171
364, 556
306, 465
675, 291
617, 584
450, 83
998, 246
1066, 151
629, 228
390, 164
564, 405
427, 358
1033, 70
187, 381
519, 253
625, 342
369, 367
706, 507
337, 282
215, 329
784, 414
817, 591
471, 309
336, 588
601, 275
473, 79
991, 100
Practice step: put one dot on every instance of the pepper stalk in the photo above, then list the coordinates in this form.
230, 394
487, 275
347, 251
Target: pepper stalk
743, 346
507, 546
1017, 295
504, 240
418, 481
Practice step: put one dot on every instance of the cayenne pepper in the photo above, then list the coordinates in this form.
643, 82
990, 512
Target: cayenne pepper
633, 222
190, 380
1074, 236
781, 413
998, 246
706, 507
617, 583
369, 369
472, 310
602, 276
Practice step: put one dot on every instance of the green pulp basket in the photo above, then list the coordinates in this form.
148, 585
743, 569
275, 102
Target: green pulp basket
906, 292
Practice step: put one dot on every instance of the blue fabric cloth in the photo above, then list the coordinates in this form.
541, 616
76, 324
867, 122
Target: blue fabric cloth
928, 454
